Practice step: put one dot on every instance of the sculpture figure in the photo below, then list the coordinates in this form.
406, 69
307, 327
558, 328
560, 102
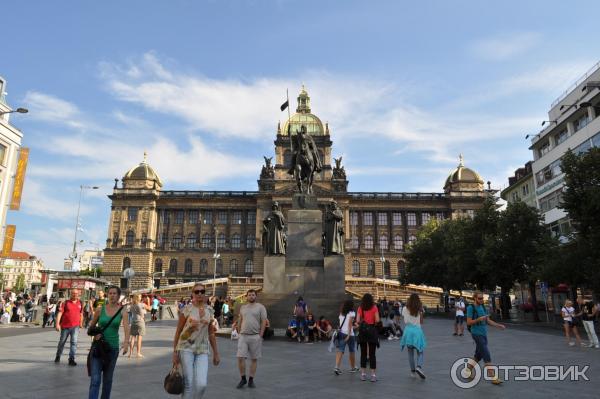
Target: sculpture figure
306, 160
334, 230
273, 232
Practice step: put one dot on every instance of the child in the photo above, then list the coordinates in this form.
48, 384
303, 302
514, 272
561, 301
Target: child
413, 337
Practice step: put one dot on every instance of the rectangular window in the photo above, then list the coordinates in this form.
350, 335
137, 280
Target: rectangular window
470, 213
236, 217
354, 218
425, 217
222, 217
411, 219
525, 190
583, 147
582, 122
208, 217
251, 217
132, 214
193, 217
382, 219
367, 218
440, 216
397, 219
560, 137
596, 140
179, 217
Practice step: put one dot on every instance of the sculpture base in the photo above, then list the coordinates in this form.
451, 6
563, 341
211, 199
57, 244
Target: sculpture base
304, 201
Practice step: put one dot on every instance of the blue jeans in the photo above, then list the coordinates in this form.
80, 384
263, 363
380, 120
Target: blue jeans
411, 358
102, 376
64, 334
195, 374
481, 349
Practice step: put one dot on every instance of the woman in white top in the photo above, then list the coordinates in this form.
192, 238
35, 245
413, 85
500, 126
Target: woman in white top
345, 337
413, 337
568, 313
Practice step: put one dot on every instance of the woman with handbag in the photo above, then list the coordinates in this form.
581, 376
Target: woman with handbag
105, 347
345, 336
368, 337
195, 332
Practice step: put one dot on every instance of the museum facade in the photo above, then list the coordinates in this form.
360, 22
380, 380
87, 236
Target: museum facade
170, 237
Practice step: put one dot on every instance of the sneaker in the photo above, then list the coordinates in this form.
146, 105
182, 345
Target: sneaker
597, 346
251, 384
496, 381
571, 343
373, 378
461, 334
413, 373
420, 372
337, 371
390, 338
72, 362
354, 370
57, 359
396, 338
241, 384
455, 334
363, 377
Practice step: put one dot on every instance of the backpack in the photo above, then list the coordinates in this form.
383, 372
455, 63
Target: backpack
475, 314
300, 309
28, 305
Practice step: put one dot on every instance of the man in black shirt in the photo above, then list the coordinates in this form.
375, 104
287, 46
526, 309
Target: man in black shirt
588, 312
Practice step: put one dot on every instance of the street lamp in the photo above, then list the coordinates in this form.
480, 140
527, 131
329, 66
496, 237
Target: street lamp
81, 188
382, 259
18, 110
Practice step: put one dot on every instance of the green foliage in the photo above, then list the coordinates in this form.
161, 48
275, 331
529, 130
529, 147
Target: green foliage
20, 283
90, 272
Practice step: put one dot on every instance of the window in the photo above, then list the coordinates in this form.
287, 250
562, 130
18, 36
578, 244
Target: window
250, 242
173, 266
471, 213
188, 266
382, 219
411, 219
162, 239
355, 268
383, 242
158, 265
544, 149
398, 242
207, 217
368, 242
583, 147
165, 217
193, 217
397, 219
354, 242
401, 268
368, 218
221, 240
219, 267
515, 197
179, 217
560, 137
525, 190
412, 239
440, 216
551, 201
177, 241
354, 218
191, 240
371, 268
248, 266
129, 237
126, 263
206, 240
596, 140
581, 122
233, 266
222, 217
144, 239
425, 217
115, 238
236, 217
2, 147
132, 214
203, 266
387, 270
235, 241
251, 217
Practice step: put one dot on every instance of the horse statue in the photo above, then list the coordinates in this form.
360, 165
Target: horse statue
305, 160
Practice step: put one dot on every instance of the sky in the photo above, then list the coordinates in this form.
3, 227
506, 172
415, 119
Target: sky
405, 87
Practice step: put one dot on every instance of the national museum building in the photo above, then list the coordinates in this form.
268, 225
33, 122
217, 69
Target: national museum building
153, 230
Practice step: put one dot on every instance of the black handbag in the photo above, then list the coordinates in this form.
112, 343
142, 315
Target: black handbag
174, 381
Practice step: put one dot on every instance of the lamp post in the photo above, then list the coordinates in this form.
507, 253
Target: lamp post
382, 258
81, 188
216, 257
18, 110
162, 273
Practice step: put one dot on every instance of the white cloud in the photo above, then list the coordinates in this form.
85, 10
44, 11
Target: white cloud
49, 108
506, 46
40, 200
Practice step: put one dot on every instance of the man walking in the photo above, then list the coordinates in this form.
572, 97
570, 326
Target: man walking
460, 307
68, 323
478, 319
251, 324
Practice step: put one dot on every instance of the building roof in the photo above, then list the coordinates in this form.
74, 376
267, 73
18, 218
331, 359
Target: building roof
303, 116
463, 174
143, 171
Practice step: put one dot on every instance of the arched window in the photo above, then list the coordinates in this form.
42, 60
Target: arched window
235, 241
355, 268
129, 237
126, 263
173, 266
203, 266
387, 272
368, 242
383, 242
206, 240
219, 267
158, 265
221, 240
177, 241
398, 242
371, 268
191, 240
233, 267
188, 266
401, 268
250, 241
248, 266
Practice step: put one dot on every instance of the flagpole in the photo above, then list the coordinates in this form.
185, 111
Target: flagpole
287, 95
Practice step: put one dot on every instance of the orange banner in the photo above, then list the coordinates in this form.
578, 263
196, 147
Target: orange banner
15, 202
9, 239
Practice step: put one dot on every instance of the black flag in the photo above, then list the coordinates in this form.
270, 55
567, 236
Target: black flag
285, 105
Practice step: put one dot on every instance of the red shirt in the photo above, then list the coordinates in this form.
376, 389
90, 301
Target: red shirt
368, 315
71, 314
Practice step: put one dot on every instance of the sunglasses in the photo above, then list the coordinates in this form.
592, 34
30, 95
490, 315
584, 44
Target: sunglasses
199, 292
480, 298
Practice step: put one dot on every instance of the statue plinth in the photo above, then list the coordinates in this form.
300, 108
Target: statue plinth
304, 201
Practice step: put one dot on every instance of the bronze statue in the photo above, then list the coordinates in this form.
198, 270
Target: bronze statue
334, 230
306, 160
273, 235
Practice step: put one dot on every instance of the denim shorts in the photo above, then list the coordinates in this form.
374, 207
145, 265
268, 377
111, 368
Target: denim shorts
341, 343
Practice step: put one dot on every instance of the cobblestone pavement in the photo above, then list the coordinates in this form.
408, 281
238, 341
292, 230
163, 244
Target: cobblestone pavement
292, 370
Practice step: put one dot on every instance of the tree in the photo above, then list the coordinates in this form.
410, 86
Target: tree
2, 282
20, 283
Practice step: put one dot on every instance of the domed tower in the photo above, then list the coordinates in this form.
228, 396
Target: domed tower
132, 226
465, 188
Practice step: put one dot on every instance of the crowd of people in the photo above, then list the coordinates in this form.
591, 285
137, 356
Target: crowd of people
17, 308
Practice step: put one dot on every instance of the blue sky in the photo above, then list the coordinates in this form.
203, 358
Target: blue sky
405, 87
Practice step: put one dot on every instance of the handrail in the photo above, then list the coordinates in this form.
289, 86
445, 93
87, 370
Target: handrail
574, 85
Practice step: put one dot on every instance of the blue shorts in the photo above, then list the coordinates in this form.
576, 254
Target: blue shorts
459, 319
481, 348
341, 343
